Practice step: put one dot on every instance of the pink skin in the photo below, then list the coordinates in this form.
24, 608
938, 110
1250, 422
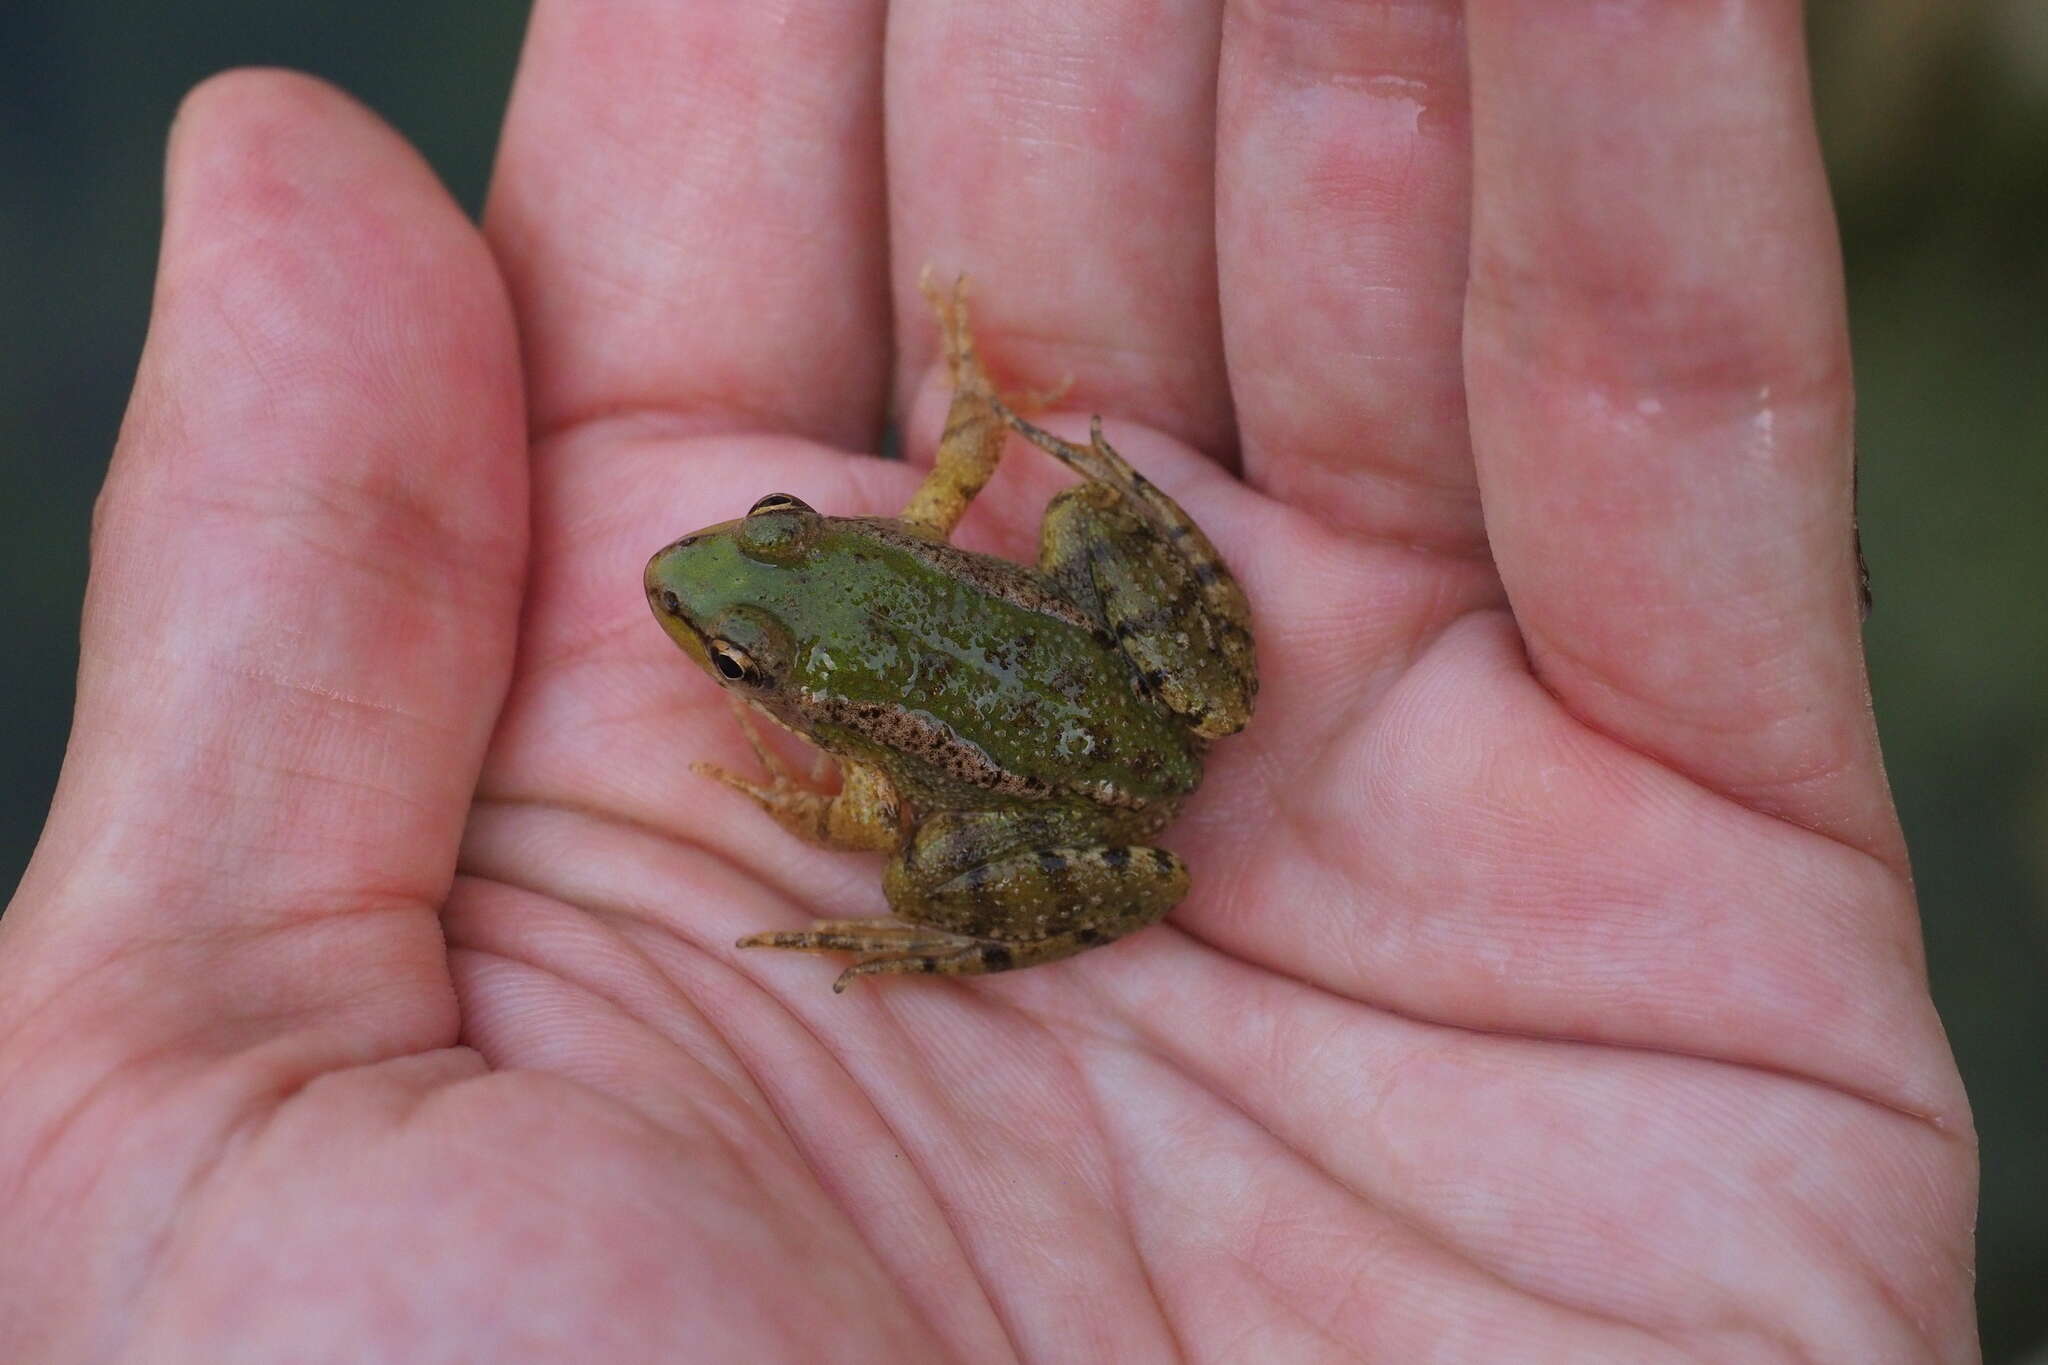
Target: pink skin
1550, 989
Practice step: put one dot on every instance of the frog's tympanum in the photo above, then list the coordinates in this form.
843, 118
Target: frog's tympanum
1009, 736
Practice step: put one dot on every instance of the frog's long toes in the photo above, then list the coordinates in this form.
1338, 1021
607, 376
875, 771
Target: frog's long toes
770, 761
852, 936
952, 960
767, 796
876, 966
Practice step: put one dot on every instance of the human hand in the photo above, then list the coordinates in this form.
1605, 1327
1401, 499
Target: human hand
1550, 987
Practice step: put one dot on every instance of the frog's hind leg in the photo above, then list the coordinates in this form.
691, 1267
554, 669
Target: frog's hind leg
992, 891
890, 947
1014, 891
972, 444
977, 422
1157, 583
854, 936
974, 957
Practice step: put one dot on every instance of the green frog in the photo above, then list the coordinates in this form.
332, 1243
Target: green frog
1010, 736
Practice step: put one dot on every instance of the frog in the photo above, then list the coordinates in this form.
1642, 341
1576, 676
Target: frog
1010, 736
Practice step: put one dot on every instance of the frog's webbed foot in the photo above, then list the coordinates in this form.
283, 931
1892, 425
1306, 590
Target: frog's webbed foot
977, 423
864, 814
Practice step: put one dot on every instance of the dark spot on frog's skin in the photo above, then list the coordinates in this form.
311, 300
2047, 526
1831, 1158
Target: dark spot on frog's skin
1161, 859
998, 958
1206, 573
975, 878
1088, 936
1116, 859
1179, 531
1052, 864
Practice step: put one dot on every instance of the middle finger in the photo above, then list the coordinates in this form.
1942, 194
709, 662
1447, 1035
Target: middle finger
1061, 151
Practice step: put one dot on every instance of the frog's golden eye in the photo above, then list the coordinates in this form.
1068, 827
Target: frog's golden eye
748, 647
733, 663
778, 530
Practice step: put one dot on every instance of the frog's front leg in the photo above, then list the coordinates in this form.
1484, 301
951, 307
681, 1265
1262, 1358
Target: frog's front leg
865, 814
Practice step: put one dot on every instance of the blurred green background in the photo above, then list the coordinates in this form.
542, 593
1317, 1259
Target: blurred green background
1936, 119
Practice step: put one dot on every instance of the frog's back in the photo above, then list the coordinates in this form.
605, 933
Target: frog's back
994, 687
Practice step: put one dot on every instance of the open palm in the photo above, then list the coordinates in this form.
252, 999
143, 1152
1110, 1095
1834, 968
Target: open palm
1549, 988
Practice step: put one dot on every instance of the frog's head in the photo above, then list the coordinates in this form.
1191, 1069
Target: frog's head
726, 593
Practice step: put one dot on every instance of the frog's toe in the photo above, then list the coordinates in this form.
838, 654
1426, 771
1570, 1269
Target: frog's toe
851, 936
801, 809
961, 958
976, 957
779, 775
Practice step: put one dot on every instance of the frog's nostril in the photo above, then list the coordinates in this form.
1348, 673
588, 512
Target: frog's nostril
670, 603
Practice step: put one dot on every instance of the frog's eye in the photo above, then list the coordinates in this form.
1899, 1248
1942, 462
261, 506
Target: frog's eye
778, 529
733, 663
748, 647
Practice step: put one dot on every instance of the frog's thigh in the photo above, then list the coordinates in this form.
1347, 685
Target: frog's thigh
1035, 906
1046, 898
1156, 597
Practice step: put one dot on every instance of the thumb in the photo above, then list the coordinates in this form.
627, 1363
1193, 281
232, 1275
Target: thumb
306, 570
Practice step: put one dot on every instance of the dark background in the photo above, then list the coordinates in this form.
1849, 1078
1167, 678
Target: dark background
1936, 119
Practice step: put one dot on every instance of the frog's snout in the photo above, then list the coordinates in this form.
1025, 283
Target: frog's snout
659, 595
669, 551
668, 605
